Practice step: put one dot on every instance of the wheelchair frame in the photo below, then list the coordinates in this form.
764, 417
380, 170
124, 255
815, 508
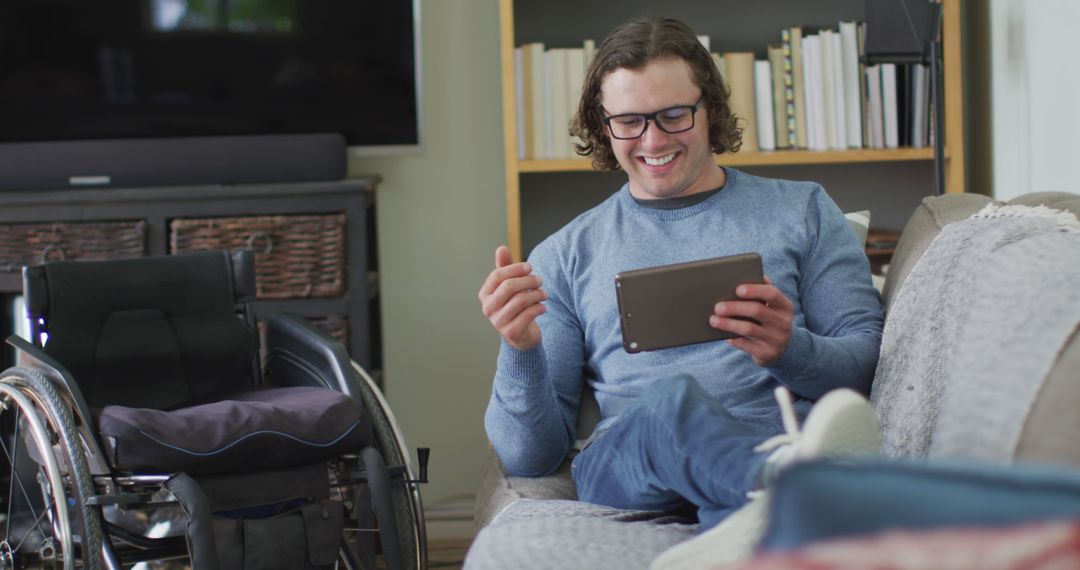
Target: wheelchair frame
78, 488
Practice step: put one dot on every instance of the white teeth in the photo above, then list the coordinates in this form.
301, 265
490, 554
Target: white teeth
659, 161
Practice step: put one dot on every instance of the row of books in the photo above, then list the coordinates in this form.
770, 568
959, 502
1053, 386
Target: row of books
812, 92
548, 90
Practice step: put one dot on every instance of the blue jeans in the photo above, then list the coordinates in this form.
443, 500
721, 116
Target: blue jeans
676, 447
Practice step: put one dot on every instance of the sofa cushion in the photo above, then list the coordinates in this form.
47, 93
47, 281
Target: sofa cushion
569, 534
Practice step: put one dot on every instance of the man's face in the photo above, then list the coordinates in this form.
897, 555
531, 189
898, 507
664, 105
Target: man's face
659, 164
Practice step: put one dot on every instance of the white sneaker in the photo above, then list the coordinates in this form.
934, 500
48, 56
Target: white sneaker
841, 424
732, 540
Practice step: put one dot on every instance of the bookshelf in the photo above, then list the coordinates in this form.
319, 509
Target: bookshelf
565, 22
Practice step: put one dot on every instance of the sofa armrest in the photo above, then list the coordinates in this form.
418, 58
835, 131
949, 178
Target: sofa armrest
933, 214
497, 489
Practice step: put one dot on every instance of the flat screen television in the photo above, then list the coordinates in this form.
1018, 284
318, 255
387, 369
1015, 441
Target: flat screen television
123, 72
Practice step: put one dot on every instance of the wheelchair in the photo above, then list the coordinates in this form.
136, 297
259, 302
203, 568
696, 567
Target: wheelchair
146, 426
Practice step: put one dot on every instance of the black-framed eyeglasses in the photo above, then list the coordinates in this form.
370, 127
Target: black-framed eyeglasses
671, 120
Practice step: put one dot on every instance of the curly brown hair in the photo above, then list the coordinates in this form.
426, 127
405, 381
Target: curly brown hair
633, 45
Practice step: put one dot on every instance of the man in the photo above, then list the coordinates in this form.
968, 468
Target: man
686, 426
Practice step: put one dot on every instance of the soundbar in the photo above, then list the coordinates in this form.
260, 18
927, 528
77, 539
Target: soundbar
129, 163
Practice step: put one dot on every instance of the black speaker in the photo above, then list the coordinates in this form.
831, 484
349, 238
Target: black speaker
131, 163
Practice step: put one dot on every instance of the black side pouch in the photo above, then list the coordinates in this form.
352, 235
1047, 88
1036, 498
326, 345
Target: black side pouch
306, 538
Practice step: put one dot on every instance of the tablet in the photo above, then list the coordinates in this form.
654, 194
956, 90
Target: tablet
667, 306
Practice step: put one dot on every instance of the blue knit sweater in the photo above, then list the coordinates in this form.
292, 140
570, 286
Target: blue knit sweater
807, 249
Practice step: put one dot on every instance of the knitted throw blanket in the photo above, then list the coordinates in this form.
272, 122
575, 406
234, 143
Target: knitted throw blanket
974, 331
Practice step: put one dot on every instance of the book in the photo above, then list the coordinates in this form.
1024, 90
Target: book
875, 119
903, 103
823, 53
739, 69
920, 94
816, 136
839, 110
519, 102
852, 75
763, 105
555, 102
575, 80
533, 58
889, 111
783, 132
863, 96
791, 39
808, 88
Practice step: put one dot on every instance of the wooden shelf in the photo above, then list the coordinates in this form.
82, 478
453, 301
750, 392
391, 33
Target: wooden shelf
759, 158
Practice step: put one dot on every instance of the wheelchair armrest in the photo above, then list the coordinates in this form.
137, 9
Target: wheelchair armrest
299, 354
29, 356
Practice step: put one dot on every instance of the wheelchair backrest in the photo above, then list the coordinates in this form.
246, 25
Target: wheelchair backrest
152, 332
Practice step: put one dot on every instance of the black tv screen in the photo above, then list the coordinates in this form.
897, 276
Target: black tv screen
129, 69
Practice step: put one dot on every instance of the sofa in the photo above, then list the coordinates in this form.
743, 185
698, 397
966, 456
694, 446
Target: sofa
928, 455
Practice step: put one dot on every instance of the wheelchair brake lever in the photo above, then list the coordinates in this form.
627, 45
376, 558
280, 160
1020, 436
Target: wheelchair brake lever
422, 455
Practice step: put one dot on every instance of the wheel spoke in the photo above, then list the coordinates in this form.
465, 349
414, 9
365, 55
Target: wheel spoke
55, 447
14, 474
11, 457
37, 522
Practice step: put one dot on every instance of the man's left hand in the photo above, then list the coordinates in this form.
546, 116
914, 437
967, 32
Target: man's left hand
766, 336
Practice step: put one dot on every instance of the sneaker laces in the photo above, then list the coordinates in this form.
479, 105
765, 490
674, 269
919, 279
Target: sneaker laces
782, 445
791, 423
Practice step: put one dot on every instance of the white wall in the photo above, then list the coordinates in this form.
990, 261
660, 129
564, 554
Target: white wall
1036, 93
440, 214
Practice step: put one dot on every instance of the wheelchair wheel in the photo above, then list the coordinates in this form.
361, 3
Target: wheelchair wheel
46, 520
405, 496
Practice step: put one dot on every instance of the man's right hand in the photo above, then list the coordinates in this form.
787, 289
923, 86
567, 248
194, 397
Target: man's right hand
511, 299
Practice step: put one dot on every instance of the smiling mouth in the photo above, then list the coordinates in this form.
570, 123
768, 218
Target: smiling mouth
659, 161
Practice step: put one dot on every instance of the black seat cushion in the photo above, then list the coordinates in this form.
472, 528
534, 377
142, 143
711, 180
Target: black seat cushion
271, 428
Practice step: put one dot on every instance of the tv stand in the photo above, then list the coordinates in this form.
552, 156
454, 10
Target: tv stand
341, 296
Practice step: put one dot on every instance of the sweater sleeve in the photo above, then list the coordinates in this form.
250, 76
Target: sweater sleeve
531, 417
838, 346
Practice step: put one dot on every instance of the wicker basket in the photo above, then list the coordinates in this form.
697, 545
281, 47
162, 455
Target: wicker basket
295, 256
337, 327
34, 244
